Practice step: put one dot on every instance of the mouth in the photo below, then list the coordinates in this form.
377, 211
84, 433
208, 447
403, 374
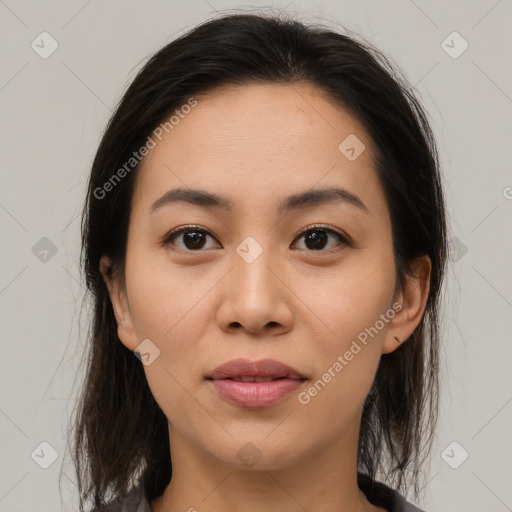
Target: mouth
248, 378
255, 384
265, 370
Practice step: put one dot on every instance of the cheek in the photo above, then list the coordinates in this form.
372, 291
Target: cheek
163, 299
348, 308
176, 396
348, 299
330, 405
171, 309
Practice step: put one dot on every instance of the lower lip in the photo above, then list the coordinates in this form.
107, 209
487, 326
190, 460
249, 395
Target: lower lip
256, 394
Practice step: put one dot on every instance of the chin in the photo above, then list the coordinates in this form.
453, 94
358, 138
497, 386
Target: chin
259, 453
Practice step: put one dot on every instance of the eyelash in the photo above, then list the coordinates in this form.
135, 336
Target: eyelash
343, 238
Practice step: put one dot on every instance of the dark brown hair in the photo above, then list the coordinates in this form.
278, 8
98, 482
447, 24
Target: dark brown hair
121, 434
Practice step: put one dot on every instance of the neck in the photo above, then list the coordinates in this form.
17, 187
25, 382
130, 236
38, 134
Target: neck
322, 481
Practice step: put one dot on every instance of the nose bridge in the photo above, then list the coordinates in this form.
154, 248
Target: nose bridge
250, 266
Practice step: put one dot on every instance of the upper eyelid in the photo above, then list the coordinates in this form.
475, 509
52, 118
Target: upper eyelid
321, 226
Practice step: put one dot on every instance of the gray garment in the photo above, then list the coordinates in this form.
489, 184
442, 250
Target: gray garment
376, 492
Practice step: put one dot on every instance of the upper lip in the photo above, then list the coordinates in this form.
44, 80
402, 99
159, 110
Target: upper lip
262, 368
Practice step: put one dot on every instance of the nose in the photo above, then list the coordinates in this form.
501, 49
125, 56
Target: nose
256, 297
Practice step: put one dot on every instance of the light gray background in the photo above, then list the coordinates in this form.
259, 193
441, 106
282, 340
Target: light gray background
53, 112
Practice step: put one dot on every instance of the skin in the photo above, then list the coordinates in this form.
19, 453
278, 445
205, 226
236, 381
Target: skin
257, 144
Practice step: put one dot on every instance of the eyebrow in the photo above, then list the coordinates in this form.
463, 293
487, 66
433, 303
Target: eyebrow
203, 198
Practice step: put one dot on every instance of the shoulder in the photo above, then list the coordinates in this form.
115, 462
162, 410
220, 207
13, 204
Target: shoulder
376, 492
381, 495
134, 501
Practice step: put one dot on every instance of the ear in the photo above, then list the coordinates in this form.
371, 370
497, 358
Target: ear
118, 298
413, 299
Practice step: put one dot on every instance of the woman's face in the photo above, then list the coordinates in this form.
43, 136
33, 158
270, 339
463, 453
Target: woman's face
248, 285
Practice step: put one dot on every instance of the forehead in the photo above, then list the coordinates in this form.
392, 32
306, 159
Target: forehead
259, 141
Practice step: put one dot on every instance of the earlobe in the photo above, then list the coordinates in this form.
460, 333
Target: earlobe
413, 299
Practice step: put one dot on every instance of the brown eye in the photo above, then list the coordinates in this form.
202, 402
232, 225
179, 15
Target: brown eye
191, 238
316, 238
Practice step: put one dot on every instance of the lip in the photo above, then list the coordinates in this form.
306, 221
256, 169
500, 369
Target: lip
263, 368
255, 394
